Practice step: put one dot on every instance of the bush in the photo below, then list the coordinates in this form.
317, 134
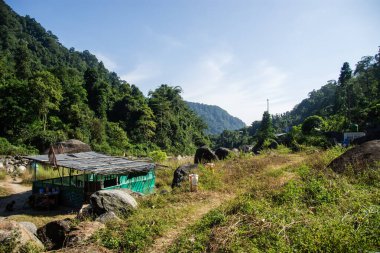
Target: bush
6, 148
311, 124
158, 156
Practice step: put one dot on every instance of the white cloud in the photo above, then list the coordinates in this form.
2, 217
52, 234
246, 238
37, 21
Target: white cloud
142, 72
222, 80
107, 61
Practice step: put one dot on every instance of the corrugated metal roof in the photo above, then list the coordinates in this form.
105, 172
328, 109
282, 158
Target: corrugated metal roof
96, 163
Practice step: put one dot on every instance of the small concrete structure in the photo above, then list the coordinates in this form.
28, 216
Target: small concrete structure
348, 137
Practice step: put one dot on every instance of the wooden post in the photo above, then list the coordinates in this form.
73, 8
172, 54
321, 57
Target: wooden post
35, 171
70, 177
84, 186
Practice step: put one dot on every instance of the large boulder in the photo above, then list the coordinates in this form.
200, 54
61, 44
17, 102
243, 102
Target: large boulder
273, 145
29, 226
107, 217
246, 148
222, 153
54, 233
359, 157
85, 212
374, 135
79, 234
117, 201
13, 236
204, 155
181, 174
70, 146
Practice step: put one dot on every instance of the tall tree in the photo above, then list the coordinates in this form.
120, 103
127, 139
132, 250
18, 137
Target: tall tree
265, 130
46, 93
344, 94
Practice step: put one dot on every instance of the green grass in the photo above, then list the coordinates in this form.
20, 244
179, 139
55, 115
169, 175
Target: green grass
3, 173
155, 215
158, 213
315, 210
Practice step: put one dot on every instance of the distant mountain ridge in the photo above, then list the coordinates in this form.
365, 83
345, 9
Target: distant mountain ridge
216, 118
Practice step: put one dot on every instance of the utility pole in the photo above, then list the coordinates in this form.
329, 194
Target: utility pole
268, 105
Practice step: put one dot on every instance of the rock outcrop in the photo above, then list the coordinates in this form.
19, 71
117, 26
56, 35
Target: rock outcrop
82, 232
204, 155
222, 153
54, 233
14, 236
107, 217
181, 174
70, 146
117, 201
359, 157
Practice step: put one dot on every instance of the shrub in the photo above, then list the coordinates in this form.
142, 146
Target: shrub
311, 124
158, 156
6, 148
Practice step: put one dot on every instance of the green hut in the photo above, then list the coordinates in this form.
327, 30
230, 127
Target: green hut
88, 172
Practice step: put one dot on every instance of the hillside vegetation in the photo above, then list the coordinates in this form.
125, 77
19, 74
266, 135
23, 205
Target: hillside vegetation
349, 104
216, 118
269, 203
49, 93
304, 208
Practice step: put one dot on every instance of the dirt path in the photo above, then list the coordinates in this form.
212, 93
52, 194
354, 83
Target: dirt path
162, 243
18, 193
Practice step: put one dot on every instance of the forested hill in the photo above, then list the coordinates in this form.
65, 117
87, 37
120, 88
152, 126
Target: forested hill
353, 98
216, 118
49, 93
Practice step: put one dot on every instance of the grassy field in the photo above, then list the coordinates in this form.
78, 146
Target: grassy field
166, 215
275, 202
302, 208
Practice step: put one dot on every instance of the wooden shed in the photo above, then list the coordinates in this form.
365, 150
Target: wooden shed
89, 172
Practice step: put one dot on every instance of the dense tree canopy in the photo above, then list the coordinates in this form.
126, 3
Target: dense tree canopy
49, 93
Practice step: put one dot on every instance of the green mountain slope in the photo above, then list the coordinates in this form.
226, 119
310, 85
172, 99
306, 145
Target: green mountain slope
216, 118
49, 93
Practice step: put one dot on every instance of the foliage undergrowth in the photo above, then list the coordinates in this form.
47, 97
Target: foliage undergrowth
6, 148
139, 230
3, 173
303, 208
160, 212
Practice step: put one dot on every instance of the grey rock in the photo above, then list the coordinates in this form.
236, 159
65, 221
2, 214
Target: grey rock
107, 217
85, 212
364, 156
222, 153
54, 233
21, 168
246, 148
81, 233
181, 174
204, 155
12, 231
117, 201
10, 168
29, 226
273, 145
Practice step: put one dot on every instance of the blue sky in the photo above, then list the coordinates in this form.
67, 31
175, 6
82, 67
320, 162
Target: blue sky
234, 54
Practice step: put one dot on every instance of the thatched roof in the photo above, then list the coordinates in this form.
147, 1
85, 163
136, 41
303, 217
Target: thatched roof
92, 162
